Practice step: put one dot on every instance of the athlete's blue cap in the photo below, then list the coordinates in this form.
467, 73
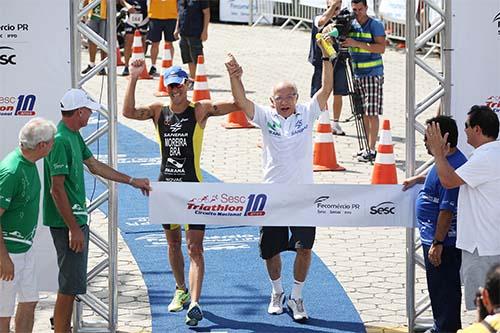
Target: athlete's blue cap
174, 74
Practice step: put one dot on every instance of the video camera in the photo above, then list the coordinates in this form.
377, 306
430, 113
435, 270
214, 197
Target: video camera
343, 23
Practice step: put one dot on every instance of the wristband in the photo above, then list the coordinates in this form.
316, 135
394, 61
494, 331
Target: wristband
437, 242
131, 180
325, 58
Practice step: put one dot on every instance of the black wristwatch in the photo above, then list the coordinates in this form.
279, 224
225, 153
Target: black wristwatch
437, 242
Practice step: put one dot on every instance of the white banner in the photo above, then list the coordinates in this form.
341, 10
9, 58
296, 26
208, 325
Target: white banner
313, 3
475, 69
394, 10
35, 73
282, 204
238, 11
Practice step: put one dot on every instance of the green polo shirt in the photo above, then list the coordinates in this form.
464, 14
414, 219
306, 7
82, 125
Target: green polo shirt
20, 197
66, 158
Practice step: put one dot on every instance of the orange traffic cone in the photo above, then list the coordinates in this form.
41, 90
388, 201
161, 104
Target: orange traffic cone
200, 90
324, 157
237, 119
119, 61
138, 53
166, 63
384, 170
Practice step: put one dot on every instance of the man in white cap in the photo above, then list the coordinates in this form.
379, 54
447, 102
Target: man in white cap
180, 126
64, 204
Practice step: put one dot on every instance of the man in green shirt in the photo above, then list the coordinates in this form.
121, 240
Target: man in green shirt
19, 206
64, 206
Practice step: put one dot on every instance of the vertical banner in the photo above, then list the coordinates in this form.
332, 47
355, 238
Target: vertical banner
475, 68
34, 74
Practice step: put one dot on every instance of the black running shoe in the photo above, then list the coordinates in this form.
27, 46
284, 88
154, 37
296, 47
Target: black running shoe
152, 71
125, 71
88, 69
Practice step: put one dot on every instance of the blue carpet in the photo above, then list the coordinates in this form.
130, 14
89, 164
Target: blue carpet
236, 287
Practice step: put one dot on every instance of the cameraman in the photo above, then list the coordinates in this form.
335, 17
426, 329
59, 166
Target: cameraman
340, 87
488, 303
366, 44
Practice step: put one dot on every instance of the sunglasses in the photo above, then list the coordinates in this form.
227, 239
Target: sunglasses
175, 85
467, 125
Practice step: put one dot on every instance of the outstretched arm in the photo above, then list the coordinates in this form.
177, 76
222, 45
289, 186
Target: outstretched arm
129, 109
324, 92
329, 13
105, 171
235, 72
206, 109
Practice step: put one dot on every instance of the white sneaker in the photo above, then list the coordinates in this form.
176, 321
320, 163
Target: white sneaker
336, 129
276, 304
298, 309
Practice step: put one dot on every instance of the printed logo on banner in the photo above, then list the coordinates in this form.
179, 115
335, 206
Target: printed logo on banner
7, 56
494, 103
497, 20
325, 205
383, 208
22, 105
229, 205
11, 31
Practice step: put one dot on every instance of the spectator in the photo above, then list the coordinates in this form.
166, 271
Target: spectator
163, 19
340, 87
287, 158
488, 301
19, 205
192, 27
64, 202
436, 209
137, 19
366, 46
478, 223
97, 23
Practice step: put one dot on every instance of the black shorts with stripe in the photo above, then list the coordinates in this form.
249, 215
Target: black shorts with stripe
274, 240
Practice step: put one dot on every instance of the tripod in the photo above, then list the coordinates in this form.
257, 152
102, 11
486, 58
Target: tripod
355, 100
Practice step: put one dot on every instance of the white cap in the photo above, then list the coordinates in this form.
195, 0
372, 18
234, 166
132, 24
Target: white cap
77, 98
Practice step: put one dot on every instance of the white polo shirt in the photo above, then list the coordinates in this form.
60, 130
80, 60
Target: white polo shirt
478, 216
287, 152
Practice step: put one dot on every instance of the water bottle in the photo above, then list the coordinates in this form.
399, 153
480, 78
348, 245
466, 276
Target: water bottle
330, 51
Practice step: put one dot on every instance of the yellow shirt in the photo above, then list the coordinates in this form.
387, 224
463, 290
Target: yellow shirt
100, 11
493, 320
163, 9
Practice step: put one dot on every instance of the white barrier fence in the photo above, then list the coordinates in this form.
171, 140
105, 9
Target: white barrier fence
320, 205
297, 13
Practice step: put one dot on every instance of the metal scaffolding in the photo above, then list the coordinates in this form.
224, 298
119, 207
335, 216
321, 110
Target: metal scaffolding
416, 308
106, 309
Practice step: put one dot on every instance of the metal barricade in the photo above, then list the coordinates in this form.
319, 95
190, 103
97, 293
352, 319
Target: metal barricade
292, 12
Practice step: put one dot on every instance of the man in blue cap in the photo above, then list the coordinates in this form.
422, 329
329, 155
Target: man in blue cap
180, 128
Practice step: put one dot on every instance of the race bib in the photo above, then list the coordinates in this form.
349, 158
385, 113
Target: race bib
135, 18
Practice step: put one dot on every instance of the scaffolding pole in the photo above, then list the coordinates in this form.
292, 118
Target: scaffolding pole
107, 310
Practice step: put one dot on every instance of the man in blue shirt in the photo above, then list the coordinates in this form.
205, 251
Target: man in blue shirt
192, 27
436, 212
366, 45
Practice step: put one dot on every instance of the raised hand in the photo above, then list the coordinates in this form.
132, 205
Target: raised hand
232, 66
136, 68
